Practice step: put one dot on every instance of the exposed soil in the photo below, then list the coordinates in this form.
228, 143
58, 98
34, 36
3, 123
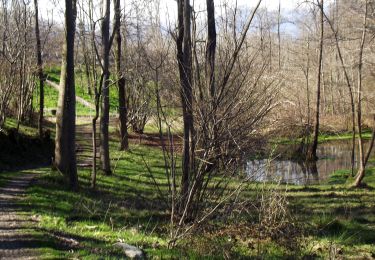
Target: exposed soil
155, 141
15, 242
20, 236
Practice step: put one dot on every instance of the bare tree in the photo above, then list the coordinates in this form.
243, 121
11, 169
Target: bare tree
222, 110
123, 113
104, 112
312, 151
65, 152
348, 84
210, 63
362, 157
40, 69
184, 58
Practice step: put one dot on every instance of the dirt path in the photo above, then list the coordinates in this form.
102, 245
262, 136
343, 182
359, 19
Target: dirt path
15, 242
84, 147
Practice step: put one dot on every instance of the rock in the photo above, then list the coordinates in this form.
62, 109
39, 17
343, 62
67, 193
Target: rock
131, 251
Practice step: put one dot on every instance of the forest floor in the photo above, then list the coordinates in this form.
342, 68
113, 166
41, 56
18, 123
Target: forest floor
336, 221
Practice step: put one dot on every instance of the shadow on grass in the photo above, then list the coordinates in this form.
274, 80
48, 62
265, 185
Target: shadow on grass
348, 232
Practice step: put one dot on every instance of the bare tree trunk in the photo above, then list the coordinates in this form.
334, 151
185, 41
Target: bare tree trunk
349, 85
371, 144
96, 87
123, 113
94, 134
211, 49
185, 64
94, 150
210, 65
278, 34
362, 165
104, 116
40, 70
65, 154
306, 140
312, 151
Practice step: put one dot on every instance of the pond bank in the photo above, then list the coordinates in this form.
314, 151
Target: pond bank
285, 162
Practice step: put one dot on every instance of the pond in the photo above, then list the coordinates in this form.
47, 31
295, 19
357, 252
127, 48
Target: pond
333, 156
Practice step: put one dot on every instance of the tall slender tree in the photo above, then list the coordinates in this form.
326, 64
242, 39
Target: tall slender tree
184, 58
65, 154
104, 116
40, 69
362, 157
312, 151
210, 63
121, 80
340, 57
211, 48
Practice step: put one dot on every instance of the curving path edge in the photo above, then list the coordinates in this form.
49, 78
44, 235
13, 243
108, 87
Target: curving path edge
15, 242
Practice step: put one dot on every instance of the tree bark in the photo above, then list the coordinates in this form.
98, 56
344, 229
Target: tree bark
104, 116
211, 49
312, 151
362, 164
210, 67
123, 113
184, 63
65, 154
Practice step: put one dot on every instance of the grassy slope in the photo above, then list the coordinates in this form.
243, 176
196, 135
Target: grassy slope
126, 208
81, 91
50, 102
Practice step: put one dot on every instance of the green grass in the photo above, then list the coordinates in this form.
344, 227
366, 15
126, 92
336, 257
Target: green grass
82, 91
51, 96
126, 206
326, 137
337, 216
343, 136
23, 129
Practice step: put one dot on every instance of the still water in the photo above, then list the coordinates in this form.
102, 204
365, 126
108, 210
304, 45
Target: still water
333, 156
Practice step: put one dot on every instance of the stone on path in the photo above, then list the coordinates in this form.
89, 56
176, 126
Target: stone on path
131, 251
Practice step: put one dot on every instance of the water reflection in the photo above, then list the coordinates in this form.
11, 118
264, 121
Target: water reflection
333, 156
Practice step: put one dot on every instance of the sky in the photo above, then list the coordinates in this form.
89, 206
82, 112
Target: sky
199, 5
169, 7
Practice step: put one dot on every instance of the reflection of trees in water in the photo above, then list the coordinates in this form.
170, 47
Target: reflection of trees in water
333, 156
310, 171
